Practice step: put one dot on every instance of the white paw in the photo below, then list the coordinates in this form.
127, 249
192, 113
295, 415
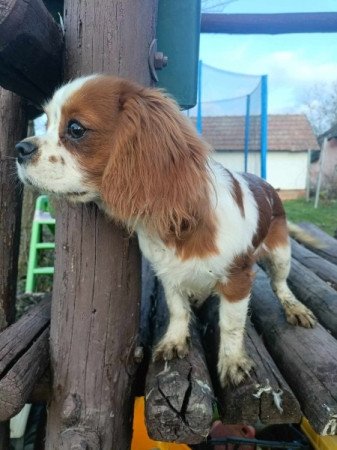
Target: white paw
233, 370
170, 347
299, 314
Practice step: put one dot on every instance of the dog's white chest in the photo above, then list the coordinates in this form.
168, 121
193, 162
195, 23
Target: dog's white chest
195, 277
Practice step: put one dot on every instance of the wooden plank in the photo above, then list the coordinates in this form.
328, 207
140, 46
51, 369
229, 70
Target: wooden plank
96, 291
329, 252
264, 396
16, 338
316, 294
178, 393
318, 22
24, 357
13, 128
307, 358
31, 49
323, 268
17, 383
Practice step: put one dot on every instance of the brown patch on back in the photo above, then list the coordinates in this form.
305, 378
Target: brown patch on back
278, 233
62, 160
53, 159
269, 205
240, 280
237, 193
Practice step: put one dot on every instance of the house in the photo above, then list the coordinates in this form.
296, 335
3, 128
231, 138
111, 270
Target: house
289, 139
327, 162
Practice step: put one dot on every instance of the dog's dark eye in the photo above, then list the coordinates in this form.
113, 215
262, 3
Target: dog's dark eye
75, 130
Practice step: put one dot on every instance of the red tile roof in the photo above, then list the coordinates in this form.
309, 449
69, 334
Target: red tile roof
287, 132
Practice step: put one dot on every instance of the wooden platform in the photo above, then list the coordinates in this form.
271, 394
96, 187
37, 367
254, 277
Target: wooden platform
295, 371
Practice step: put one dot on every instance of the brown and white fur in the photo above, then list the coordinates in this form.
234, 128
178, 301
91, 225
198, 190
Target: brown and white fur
201, 226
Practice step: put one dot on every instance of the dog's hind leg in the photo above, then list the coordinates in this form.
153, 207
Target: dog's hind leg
277, 263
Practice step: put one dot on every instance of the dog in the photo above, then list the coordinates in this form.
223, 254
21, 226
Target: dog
202, 227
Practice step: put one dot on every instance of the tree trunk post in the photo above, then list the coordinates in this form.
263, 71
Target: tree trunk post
13, 128
96, 292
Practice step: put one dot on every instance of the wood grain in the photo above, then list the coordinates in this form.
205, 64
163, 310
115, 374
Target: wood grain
307, 358
97, 280
323, 268
256, 399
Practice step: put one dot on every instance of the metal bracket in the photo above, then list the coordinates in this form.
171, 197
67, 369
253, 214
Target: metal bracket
157, 60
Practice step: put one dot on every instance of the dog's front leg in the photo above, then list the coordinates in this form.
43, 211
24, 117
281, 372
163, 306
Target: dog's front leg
233, 363
175, 341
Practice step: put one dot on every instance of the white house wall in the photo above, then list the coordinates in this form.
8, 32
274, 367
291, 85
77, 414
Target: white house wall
285, 170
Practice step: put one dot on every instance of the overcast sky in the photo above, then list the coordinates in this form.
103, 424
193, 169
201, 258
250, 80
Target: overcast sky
293, 62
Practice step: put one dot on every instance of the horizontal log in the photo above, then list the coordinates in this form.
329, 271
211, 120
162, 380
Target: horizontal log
24, 358
264, 396
322, 22
329, 252
178, 393
307, 358
323, 268
316, 294
31, 45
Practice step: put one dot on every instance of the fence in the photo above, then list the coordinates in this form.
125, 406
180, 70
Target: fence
237, 104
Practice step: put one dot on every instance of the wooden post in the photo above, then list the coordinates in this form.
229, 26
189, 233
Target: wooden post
97, 281
30, 49
13, 128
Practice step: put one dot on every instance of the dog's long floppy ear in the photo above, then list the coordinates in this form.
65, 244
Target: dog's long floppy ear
157, 171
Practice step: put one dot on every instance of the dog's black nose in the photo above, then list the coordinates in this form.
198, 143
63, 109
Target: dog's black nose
25, 150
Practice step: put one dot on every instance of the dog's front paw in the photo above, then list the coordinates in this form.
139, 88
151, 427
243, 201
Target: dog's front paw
233, 370
299, 314
169, 348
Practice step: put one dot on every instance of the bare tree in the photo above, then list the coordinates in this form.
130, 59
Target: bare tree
320, 106
212, 6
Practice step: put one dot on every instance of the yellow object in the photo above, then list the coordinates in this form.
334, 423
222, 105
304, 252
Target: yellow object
140, 439
317, 441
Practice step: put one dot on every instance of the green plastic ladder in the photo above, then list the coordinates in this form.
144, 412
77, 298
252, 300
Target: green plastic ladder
42, 218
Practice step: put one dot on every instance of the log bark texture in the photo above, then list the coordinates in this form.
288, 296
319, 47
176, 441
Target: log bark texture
13, 129
329, 252
264, 396
316, 294
307, 358
178, 393
97, 279
324, 269
24, 357
30, 49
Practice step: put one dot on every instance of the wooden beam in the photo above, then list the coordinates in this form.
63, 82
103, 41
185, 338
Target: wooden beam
320, 22
323, 268
24, 357
96, 290
13, 128
307, 358
315, 294
329, 244
264, 396
31, 46
178, 393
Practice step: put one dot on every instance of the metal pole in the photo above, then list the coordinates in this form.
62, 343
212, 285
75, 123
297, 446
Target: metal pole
199, 111
319, 181
307, 182
247, 131
264, 125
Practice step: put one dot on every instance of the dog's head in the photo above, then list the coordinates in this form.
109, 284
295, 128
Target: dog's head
113, 140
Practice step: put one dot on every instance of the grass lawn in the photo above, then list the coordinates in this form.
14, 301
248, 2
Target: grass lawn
325, 216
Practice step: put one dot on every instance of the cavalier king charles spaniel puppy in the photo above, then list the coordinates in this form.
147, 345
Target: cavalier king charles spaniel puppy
129, 148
